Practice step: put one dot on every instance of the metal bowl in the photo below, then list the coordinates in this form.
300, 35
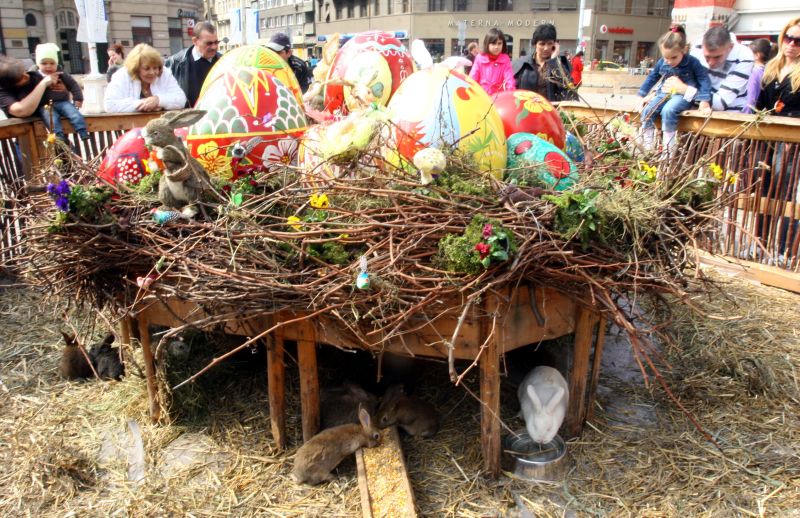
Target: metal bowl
529, 460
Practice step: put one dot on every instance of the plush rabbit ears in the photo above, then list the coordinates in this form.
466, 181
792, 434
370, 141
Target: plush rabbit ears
183, 118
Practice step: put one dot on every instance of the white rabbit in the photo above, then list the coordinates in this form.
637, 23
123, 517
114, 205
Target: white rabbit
543, 398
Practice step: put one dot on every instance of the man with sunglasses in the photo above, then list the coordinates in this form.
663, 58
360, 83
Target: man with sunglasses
191, 66
729, 67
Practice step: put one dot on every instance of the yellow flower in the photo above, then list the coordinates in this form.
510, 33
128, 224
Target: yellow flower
319, 201
216, 163
648, 170
533, 102
732, 177
344, 236
717, 171
294, 222
51, 138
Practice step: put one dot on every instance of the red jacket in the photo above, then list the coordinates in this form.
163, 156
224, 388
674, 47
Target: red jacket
577, 70
494, 74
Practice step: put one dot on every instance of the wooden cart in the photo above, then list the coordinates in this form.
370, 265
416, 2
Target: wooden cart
520, 316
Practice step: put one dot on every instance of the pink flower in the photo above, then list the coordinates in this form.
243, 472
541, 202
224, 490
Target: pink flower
482, 249
487, 231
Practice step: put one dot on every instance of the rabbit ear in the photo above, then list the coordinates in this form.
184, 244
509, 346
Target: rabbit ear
555, 400
363, 416
180, 119
537, 404
109, 339
69, 338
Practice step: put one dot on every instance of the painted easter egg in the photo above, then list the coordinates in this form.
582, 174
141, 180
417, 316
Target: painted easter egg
126, 160
246, 108
375, 62
524, 111
259, 58
316, 170
573, 148
533, 161
439, 107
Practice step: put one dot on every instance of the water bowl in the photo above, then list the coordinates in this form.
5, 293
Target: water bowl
528, 460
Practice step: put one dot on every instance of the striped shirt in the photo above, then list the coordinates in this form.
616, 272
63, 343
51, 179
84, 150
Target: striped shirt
729, 82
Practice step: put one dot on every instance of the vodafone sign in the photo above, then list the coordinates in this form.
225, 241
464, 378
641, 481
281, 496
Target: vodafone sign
603, 29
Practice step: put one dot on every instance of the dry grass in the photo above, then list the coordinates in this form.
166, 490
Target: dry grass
736, 370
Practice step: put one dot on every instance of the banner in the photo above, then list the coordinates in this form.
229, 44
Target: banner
252, 18
235, 36
92, 21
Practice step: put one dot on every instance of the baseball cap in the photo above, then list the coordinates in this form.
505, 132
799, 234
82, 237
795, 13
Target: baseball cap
279, 42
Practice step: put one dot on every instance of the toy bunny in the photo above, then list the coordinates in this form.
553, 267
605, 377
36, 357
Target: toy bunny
415, 416
184, 179
543, 398
315, 459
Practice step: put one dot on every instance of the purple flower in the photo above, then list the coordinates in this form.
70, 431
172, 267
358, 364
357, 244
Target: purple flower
60, 193
487, 231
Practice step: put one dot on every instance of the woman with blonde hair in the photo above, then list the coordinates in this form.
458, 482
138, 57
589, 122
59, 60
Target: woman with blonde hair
780, 86
146, 87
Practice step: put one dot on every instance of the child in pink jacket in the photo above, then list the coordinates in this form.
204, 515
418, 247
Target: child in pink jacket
492, 67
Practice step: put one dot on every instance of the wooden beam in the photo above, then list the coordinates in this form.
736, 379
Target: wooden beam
751, 271
598, 357
490, 389
309, 383
383, 479
579, 373
149, 371
276, 388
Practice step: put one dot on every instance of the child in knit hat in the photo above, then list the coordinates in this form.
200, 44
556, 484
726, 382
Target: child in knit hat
59, 93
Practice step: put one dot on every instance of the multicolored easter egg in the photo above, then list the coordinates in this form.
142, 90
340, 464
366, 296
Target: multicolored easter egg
316, 170
126, 160
259, 58
535, 162
241, 104
573, 148
376, 62
524, 111
440, 107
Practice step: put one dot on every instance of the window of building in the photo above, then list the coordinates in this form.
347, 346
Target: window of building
435, 5
525, 44
141, 30
338, 12
389, 6
461, 50
460, 5
600, 50
404, 9
567, 5
362, 8
351, 10
175, 35
376, 8
500, 5
622, 52
540, 5
436, 47
644, 50
30, 20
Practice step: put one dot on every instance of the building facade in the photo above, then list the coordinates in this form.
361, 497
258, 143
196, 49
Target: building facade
164, 25
292, 17
623, 31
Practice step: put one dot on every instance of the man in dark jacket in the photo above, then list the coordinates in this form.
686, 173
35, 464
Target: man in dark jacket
543, 71
191, 66
282, 45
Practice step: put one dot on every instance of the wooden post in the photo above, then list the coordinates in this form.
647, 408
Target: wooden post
276, 378
309, 383
490, 390
125, 326
579, 373
149, 370
598, 356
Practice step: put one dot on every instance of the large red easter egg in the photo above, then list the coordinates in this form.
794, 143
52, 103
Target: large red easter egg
246, 105
126, 159
258, 57
524, 111
374, 60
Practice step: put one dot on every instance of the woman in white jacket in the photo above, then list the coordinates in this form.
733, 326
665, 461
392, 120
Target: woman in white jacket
146, 87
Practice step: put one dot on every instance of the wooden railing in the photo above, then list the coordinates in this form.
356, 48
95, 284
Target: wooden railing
765, 210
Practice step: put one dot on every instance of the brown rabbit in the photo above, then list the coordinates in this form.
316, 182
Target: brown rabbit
415, 416
339, 405
184, 179
74, 361
315, 459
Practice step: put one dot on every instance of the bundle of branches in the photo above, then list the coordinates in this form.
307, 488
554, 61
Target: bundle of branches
371, 249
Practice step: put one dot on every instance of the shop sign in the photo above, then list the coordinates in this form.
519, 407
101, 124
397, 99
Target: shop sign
496, 22
186, 14
620, 30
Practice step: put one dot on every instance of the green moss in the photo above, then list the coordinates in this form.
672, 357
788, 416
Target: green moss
462, 176
458, 254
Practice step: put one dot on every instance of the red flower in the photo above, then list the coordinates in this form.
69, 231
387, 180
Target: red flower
482, 249
226, 188
487, 231
253, 183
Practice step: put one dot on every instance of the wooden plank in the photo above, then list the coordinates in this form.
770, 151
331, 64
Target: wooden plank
755, 272
490, 392
579, 373
383, 481
769, 206
598, 357
149, 371
309, 383
276, 388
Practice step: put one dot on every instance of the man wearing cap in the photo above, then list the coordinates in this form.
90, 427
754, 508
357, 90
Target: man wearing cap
282, 45
191, 66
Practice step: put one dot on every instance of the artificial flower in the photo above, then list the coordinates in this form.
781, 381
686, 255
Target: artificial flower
294, 222
717, 171
319, 201
483, 249
487, 231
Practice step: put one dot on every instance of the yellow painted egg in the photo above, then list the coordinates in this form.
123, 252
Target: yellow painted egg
244, 104
439, 107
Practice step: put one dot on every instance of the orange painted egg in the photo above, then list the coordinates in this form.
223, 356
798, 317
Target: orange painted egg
376, 61
126, 160
244, 106
315, 169
439, 107
260, 58
523, 111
